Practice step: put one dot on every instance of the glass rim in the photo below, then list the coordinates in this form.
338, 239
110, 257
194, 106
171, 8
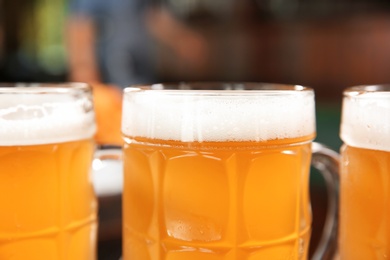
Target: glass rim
44, 88
359, 90
218, 88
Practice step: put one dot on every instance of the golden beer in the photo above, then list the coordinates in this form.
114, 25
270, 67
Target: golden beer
365, 174
47, 202
217, 176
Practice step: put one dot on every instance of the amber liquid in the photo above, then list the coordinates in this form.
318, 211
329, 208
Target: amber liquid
47, 202
228, 200
365, 204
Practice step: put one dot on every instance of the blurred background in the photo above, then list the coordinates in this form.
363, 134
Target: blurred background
325, 44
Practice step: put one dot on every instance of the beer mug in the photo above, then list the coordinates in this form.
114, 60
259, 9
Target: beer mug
221, 171
365, 173
47, 201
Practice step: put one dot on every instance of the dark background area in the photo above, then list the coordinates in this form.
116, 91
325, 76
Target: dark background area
324, 44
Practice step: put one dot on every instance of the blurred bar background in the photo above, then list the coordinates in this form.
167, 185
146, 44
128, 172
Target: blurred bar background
325, 44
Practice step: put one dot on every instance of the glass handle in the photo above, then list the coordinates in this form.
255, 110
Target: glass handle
107, 169
327, 162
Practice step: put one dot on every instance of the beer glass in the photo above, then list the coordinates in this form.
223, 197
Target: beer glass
365, 173
47, 202
219, 171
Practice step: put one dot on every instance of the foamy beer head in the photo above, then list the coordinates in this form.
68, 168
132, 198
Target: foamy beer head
32, 114
218, 112
365, 121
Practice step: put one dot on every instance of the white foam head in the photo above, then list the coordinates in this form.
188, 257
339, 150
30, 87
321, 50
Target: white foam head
221, 115
42, 115
365, 120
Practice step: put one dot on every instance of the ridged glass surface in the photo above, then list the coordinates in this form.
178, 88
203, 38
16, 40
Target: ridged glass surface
216, 200
47, 203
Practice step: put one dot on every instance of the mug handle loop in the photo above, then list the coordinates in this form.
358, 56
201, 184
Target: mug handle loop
327, 162
110, 184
